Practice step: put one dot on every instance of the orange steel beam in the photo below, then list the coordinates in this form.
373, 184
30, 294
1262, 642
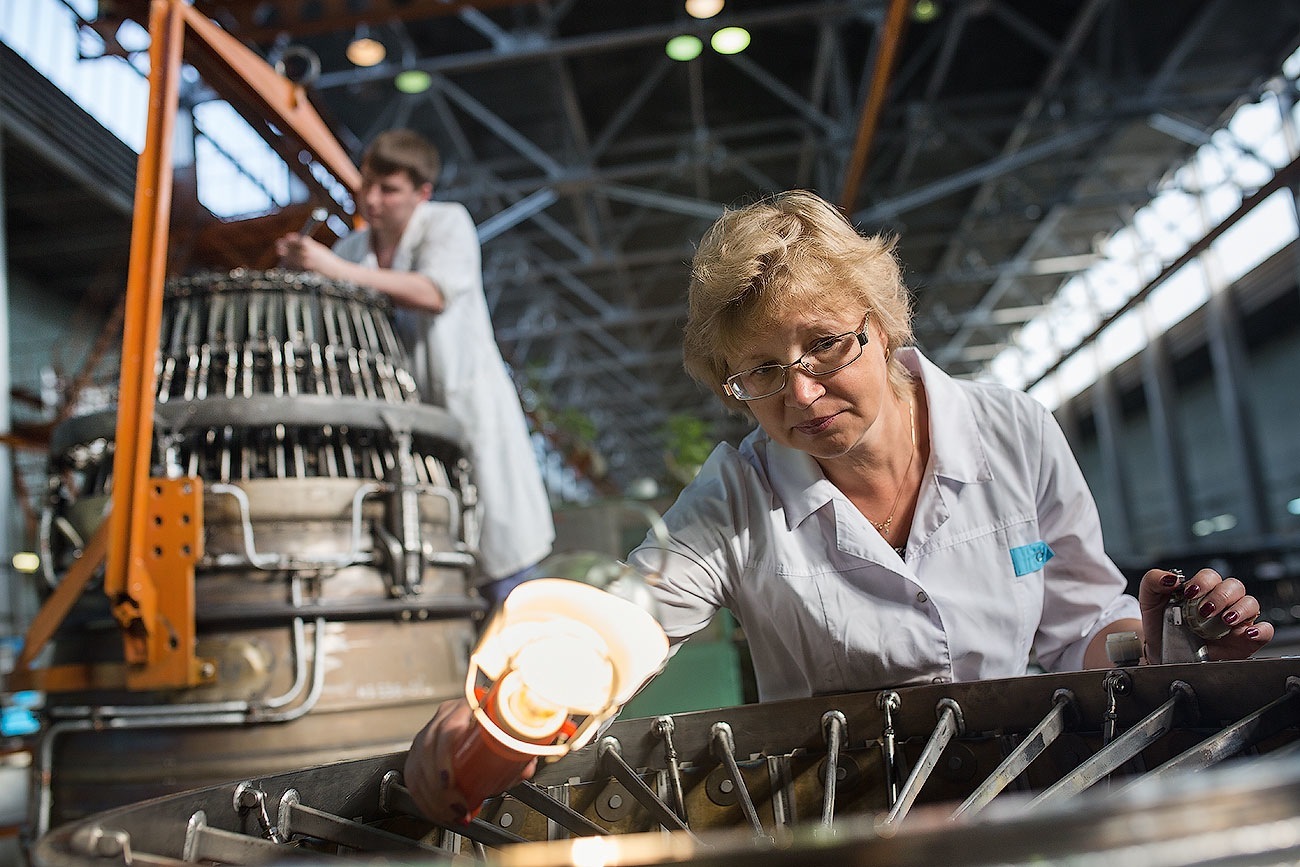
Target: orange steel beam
127, 582
173, 541
258, 92
152, 535
314, 17
56, 608
869, 122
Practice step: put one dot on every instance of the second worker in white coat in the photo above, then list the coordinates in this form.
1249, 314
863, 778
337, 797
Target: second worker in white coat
425, 256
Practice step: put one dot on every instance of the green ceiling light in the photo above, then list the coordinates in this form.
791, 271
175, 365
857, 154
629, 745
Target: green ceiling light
413, 81
704, 8
684, 47
925, 11
730, 40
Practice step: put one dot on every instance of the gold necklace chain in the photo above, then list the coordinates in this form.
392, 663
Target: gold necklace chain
883, 526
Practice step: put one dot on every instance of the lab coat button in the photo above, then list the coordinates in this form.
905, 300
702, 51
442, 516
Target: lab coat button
939, 680
922, 598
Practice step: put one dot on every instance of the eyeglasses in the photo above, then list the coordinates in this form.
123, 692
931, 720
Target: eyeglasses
827, 356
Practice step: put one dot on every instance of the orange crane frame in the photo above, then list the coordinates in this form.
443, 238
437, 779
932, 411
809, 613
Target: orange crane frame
153, 534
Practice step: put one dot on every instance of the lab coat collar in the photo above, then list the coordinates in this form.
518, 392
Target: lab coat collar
797, 480
957, 450
956, 444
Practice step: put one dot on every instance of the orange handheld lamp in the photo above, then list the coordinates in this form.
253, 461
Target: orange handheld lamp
556, 661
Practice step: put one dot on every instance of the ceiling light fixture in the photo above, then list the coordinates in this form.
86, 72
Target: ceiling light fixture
730, 40
925, 11
684, 47
26, 562
704, 8
364, 50
413, 81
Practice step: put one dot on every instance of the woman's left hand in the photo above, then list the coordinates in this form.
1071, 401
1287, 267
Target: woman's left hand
1216, 596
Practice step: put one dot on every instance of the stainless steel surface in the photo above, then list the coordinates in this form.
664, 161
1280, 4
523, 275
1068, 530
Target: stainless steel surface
1243, 811
949, 725
1023, 754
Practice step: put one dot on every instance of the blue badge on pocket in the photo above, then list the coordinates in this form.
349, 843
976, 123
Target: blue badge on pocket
1031, 558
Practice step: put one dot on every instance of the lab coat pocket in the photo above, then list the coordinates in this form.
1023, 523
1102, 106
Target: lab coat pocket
1030, 558
1027, 562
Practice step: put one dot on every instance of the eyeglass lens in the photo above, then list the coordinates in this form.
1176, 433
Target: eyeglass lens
827, 357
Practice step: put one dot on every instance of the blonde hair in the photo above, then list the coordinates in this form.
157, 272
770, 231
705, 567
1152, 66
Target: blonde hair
792, 251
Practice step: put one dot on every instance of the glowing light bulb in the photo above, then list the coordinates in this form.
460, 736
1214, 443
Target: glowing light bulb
26, 561
704, 8
684, 47
925, 11
525, 712
730, 40
364, 50
557, 659
413, 81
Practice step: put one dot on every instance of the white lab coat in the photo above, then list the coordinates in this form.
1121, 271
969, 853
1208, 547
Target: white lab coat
1004, 556
456, 363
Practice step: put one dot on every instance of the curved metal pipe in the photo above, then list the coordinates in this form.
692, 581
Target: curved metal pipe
92, 718
354, 556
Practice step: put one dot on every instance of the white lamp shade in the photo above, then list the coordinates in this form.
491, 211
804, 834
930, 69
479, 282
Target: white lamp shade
574, 646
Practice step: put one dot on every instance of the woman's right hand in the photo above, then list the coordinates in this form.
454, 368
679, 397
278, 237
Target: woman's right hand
428, 769
429, 773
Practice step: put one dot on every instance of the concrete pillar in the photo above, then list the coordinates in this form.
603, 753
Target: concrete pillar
1110, 424
8, 599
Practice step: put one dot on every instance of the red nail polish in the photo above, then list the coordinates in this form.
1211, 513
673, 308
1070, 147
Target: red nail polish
1229, 617
1191, 591
1206, 609
1169, 580
1252, 632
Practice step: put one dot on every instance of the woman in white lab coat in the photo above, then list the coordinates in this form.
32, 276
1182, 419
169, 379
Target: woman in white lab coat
884, 524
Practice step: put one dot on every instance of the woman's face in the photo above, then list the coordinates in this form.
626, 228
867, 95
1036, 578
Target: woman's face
829, 416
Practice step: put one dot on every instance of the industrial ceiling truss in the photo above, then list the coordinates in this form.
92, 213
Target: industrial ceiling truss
1000, 140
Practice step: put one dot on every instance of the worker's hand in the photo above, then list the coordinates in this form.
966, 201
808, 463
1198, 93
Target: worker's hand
305, 254
428, 773
1224, 598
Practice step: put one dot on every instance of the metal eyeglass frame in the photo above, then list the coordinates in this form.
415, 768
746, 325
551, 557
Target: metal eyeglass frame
730, 387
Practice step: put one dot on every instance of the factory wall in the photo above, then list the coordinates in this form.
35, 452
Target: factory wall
1191, 447
50, 338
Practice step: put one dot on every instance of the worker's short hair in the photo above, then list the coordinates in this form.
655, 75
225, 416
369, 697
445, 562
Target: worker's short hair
403, 150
